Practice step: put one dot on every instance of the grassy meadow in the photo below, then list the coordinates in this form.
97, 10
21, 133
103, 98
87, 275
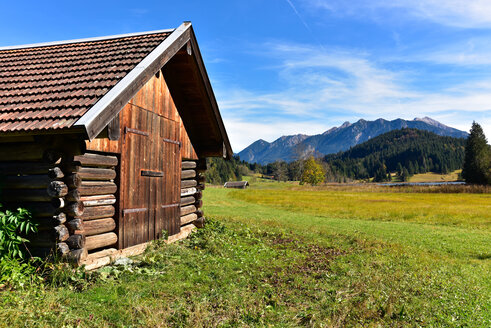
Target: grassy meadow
435, 177
284, 255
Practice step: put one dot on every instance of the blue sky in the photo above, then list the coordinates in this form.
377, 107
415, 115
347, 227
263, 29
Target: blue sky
303, 66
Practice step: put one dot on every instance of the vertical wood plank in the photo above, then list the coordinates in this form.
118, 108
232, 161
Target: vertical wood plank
152, 110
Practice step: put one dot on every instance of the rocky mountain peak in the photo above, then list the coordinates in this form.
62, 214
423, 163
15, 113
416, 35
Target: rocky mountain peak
337, 139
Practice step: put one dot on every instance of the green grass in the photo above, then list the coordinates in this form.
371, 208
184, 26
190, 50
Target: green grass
355, 214
282, 255
441, 235
435, 177
465, 210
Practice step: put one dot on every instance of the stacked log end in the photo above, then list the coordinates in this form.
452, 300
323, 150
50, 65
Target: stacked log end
71, 197
31, 177
91, 177
192, 184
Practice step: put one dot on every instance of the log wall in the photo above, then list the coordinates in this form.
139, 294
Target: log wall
71, 196
192, 186
94, 227
33, 176
73, 199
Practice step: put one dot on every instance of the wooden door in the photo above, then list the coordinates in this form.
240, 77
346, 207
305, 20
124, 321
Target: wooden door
150, 177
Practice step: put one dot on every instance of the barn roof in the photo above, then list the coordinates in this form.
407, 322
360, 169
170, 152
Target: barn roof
81, 85
236, 184
51, 86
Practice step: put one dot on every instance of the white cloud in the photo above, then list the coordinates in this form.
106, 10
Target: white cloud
244, 132
466, 53
317, 91
456, 13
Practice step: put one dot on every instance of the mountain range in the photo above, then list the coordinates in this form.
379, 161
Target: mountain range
290, 148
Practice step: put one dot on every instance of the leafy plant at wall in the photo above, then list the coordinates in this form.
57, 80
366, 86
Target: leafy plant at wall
13, 226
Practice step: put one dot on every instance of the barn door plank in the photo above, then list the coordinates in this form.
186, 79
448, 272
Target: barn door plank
151, 174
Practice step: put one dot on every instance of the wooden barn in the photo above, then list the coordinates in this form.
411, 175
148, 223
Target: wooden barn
104, 140
236, 184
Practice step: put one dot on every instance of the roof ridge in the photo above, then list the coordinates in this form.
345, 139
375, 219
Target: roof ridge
98, 38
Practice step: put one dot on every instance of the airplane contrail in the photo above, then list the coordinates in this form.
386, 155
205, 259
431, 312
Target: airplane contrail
299, 16
303, 22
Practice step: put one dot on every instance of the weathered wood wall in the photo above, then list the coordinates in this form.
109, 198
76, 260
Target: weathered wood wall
154, 97
94, 227
150, 176
152, 134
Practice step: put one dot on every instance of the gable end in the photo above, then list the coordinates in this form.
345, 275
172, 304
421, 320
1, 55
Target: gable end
99, 116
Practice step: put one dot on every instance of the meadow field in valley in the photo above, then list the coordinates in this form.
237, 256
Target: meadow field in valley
433, 177
283, 255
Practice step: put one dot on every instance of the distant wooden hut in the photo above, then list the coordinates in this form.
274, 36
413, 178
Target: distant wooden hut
105, 139
236, 184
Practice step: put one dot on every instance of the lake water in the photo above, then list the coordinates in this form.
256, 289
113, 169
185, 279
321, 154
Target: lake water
421, 183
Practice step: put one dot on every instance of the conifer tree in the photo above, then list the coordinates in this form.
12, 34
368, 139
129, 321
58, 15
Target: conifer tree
411, 168
405, 175
399, 169
444, 169
477, 160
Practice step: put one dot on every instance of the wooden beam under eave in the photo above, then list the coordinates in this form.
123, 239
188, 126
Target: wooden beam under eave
191, 91
204, 75
190, 100
212, 152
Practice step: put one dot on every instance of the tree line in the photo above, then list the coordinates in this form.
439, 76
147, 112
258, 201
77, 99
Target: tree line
220, 171
404, 152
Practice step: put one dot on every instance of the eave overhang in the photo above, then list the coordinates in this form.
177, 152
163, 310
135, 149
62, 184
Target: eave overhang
208, 136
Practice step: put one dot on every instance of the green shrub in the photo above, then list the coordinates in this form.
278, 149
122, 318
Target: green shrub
212, 235
13, 225
17, 273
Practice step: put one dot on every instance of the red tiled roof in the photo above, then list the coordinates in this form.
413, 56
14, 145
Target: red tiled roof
51, 87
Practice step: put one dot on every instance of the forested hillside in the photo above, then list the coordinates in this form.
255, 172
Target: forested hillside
406, 151
220, 171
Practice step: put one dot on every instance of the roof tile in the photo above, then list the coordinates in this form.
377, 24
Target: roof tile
51, 87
